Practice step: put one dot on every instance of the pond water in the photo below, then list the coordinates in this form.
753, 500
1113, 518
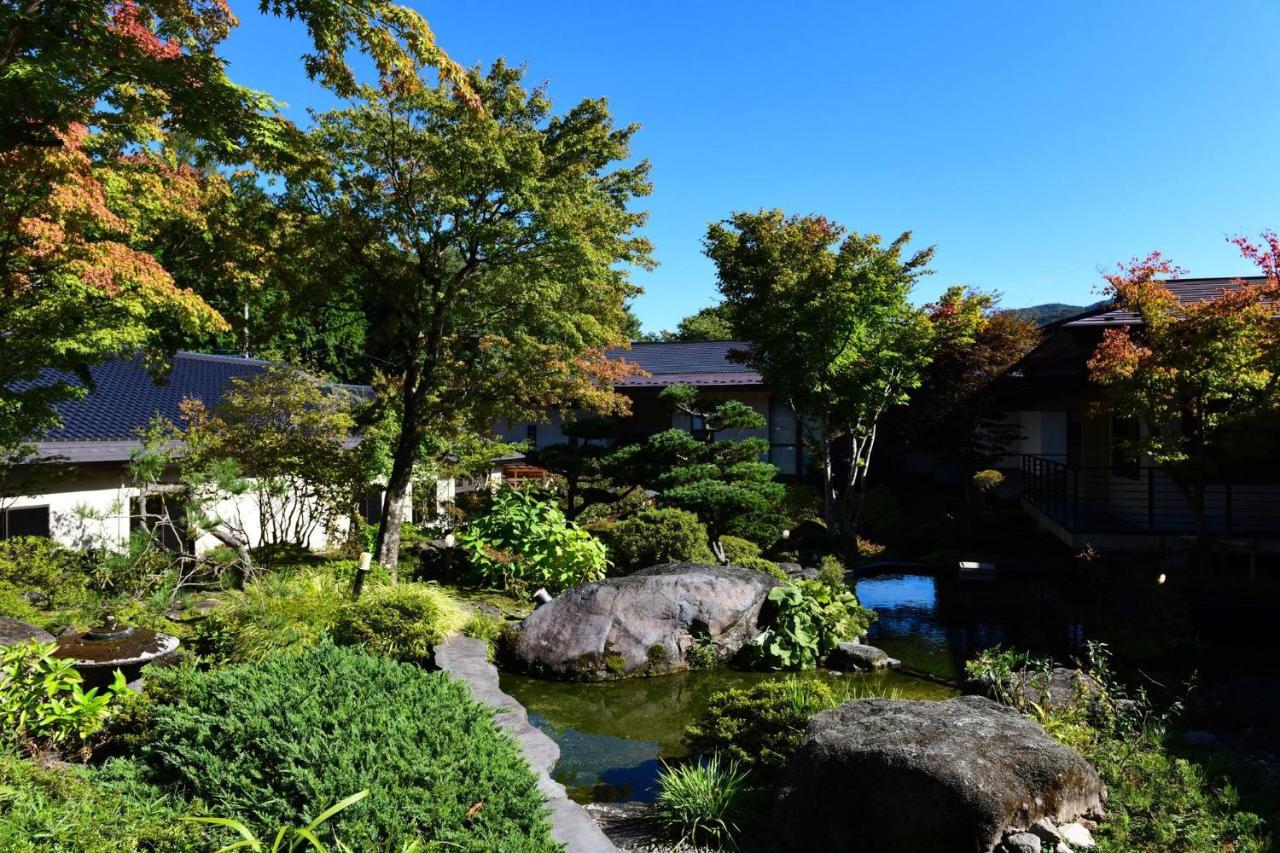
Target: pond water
612, 736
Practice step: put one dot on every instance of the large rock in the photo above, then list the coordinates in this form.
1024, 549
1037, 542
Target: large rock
14, 631
876, 775
643, 623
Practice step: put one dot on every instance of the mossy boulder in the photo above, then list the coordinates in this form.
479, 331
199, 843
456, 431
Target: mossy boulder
643, 624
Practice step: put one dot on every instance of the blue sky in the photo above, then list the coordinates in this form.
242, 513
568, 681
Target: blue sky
1033, 143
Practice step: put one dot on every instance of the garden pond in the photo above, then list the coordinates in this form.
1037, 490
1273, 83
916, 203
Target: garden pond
613, 736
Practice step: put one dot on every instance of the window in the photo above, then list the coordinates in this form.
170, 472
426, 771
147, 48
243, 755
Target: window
531, 434
25, 521
784, 439
370, 506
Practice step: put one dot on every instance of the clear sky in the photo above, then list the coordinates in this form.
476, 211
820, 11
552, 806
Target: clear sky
1033, 143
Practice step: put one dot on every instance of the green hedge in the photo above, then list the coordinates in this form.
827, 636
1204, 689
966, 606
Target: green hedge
270, 742
655, 536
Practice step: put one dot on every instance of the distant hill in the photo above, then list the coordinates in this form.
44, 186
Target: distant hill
1049, 312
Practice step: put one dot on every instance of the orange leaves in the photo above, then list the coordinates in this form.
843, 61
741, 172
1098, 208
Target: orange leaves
1117, 357
67, 232
128, 22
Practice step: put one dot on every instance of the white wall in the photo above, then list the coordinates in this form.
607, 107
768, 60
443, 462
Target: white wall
90, 509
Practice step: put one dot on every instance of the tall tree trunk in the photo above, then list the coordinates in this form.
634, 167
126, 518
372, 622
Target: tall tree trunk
862, 472
393, 502
830, 505
387, 552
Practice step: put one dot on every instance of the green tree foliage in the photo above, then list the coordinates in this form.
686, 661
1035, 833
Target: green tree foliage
311, 727
716, 480
712, 323
297, 436
832, 328
954, 413
1201, 379
141, 67
489, 248
578, 462
72, 291
524, 542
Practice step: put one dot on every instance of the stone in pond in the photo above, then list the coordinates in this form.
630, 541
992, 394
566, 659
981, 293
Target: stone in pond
1056, 690
877, 774
643, 623
855, 657
14, 631
1021, 842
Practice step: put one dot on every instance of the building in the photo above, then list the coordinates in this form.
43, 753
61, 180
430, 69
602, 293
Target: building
85, 497
1077, 480
708, 366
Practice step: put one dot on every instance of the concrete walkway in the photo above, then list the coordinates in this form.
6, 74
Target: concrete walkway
466, 658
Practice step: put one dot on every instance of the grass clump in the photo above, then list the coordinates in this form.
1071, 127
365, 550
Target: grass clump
275, 613
700, 802
84, 810
405, 621
265, 743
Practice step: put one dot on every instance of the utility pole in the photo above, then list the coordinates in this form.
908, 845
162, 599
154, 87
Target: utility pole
246, 330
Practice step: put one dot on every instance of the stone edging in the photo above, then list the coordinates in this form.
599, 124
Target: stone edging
466, 659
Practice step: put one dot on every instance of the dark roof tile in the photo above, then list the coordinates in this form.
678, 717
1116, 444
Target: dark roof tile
691, 362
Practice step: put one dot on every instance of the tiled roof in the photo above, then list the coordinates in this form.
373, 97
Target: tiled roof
103, 426
702, 363
1189, 291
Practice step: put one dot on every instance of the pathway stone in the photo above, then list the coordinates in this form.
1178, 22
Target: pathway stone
466, 658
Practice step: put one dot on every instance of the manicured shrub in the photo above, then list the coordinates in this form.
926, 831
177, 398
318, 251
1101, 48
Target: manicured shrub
809, 619
831, 572
700, 803
265, 743
524, 542
43, 573
277, 612
655, 536
77, 810
762, 529
404, 621
15, 605
759, 727
760, 564
736, 548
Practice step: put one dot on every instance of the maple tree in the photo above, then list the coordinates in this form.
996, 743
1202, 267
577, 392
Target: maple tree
489, 247
1197, 376
955, 413
90, 91
71, 288
832, 332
